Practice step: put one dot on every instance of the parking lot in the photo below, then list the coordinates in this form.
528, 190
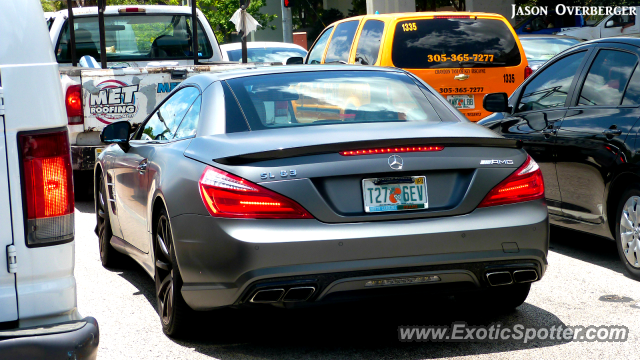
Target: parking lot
584, 272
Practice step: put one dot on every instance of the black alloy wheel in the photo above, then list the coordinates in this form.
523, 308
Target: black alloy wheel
174, 312
109, 256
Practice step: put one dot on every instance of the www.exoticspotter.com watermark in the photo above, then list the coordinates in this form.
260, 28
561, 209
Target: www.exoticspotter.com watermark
461, 332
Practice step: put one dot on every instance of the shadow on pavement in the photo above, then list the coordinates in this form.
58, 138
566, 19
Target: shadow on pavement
86, 207
586, 247
347, 331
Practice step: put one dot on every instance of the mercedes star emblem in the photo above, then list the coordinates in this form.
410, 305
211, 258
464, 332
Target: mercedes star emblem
395, 162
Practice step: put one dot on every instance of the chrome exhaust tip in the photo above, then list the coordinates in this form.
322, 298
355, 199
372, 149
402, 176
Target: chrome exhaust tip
267, 296
499, 278
302, 293
525, 276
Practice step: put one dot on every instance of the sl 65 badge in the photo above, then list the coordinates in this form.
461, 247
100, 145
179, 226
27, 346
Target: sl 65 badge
283, 174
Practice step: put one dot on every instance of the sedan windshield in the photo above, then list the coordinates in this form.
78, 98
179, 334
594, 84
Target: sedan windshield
330, 97
266, 54
545, 48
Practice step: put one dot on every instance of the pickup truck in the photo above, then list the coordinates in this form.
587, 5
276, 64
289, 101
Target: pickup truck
39, 316
607, 26
148, 51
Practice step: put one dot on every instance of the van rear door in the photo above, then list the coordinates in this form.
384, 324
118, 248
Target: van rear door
8, 298
463, 57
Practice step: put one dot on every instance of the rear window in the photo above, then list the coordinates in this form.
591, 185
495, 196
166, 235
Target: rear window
330, 97
266, 54
134, 37
454, 43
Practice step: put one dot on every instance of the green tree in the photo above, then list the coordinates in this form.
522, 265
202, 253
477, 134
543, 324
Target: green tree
218, 12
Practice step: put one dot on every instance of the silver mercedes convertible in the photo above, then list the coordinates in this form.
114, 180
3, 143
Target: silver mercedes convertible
307, 185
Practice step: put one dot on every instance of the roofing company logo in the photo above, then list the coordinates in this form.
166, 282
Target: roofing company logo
115, 101
395, 162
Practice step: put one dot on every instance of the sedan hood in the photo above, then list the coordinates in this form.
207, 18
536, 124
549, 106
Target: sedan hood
246, 147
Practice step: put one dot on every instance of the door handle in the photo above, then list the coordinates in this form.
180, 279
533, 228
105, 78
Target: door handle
610, 133
549, 131
142, 167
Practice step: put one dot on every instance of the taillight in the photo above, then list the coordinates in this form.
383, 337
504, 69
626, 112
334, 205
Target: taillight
524, 184
402, 149
73, 102
527, 72
229, 196
48, 187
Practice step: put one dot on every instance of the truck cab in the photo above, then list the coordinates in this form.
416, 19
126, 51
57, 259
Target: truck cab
149, 52
624, 23
39, 318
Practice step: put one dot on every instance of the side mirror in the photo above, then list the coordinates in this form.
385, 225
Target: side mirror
117, 133
527, 28
496, 102
609, 24
295, 60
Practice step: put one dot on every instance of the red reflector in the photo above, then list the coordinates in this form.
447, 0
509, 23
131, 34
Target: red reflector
229, 196
452, 17
73, 103
131, 9
47, 171
524, 184
403, 149
527, 72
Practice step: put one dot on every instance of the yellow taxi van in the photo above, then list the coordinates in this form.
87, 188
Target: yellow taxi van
462, 55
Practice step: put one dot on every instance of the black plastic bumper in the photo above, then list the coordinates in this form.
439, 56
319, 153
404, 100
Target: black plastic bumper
84, 157
71, 340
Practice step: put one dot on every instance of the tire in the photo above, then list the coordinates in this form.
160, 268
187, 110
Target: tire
109, 256
175, 314
628, 232
499, 298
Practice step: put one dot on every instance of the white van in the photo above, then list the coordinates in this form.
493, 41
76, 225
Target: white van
624, 23
39, 318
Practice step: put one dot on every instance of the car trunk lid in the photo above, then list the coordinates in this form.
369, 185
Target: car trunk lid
310, 169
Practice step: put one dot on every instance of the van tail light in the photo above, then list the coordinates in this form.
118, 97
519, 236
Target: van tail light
228, 196
527, 72
525, 184
48, 187
73, 103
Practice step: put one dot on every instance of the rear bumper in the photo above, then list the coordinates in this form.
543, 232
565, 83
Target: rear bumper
84, 157
71, 340
222, 261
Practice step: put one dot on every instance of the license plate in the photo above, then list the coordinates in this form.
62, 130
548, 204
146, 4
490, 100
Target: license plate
98, 151
462, 101
395, 194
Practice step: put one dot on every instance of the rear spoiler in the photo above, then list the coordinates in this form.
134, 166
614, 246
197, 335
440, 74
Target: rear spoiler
102, 4
337, 147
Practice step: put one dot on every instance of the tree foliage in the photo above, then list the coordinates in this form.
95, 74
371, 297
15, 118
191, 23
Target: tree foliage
217, 12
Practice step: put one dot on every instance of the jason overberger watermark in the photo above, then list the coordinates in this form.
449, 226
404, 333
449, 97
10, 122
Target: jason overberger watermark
573, 10
461, 332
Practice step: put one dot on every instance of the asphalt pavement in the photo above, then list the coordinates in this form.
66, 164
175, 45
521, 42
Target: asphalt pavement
583, 275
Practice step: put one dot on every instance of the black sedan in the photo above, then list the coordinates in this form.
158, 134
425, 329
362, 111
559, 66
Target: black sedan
578, 118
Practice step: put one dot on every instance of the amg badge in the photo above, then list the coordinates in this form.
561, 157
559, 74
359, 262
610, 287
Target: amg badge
496, 162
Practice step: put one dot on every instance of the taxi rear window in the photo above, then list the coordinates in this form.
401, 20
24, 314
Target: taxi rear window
454, 43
